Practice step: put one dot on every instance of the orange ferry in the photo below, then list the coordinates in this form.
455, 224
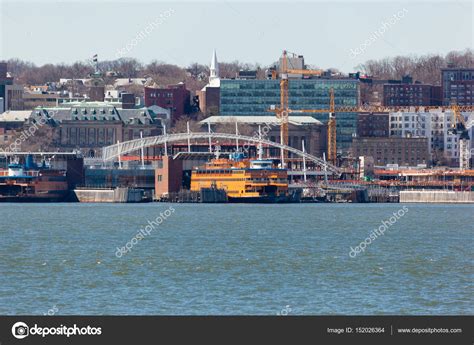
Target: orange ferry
244, 180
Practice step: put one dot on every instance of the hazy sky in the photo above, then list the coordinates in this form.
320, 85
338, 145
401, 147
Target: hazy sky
324, 32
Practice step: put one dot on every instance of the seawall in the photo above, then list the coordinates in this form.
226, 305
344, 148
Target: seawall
437, 196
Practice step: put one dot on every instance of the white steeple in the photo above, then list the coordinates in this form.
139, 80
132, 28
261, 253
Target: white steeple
214, 69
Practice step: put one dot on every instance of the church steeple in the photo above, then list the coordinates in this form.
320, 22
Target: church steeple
214, 68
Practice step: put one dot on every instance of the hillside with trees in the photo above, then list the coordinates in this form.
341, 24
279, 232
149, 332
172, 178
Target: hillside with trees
424, 68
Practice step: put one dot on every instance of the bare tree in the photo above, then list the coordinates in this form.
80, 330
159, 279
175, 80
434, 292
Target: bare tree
180, 126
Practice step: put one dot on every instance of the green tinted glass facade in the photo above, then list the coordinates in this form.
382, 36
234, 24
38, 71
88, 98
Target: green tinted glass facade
255, 97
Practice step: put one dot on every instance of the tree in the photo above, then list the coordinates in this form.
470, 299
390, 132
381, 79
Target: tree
180, 125
228, 126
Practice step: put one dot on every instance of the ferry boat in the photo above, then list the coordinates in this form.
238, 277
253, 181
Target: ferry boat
244, 180
31, 183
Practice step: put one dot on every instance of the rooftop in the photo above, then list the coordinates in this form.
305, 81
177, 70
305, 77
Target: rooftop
15, 115
265, 119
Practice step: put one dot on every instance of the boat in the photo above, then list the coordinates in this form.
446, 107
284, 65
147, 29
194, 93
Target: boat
244, 180
32, 183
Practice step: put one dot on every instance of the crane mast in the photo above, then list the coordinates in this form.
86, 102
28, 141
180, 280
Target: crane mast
282, 113
458, 127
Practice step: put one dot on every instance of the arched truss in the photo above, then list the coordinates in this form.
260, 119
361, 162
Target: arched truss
113, 151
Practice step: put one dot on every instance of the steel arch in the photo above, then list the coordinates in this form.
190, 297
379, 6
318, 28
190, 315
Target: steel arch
113, 151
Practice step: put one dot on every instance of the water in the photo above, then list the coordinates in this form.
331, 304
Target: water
235, 259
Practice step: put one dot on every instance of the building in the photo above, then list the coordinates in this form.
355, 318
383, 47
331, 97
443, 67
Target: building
434, 125
407, 93
373, 125
256, 97
176, 98
300, 128
457, 86
96, 90
88, 126
169, 176
5, 80
209, 99
209, 95
14, 97
12, 122
293, 62
126, 82
31, 100
104, 177
401, 151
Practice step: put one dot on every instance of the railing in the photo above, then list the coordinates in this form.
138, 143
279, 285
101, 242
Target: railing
115, 151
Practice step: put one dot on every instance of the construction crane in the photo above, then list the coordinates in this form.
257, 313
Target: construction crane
331, 137
283, 111
459, 127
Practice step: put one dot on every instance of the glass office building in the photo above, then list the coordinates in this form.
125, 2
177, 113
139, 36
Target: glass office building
256, 97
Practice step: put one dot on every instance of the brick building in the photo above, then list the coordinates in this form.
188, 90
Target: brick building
401, 151
176, 98
457, 85
407, 93
209, 98
373, 125
168, 177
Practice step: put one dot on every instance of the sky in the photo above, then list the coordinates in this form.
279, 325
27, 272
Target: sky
337, 34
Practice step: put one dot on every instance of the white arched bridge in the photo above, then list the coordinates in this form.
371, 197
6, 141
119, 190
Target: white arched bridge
114, 151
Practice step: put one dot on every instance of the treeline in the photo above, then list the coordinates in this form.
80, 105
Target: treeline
424, 68
195, 75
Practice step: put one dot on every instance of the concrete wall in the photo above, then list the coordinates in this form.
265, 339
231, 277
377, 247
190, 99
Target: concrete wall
434, 196
109, 195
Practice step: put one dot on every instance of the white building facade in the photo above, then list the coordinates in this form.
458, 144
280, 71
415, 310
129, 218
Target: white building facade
434, 125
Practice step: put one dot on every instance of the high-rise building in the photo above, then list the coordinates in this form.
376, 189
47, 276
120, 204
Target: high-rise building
457, 86
256, 97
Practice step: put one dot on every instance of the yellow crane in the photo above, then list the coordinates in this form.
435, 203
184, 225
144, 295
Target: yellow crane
459, 126
283, 111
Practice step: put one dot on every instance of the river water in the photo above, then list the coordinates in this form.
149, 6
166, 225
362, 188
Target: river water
233, 259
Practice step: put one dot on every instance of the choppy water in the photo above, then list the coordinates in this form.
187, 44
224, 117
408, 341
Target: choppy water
235, 259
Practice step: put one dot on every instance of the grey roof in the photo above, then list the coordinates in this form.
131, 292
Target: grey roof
96, 111
15, 115
264, 119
